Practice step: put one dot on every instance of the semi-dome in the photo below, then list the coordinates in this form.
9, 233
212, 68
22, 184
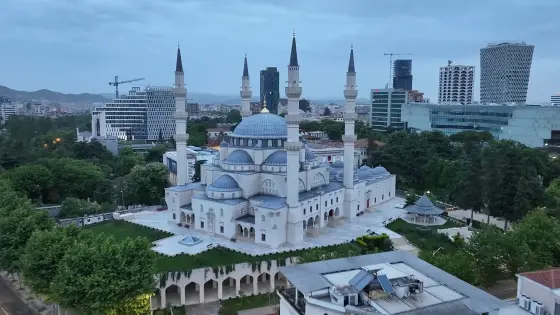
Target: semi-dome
338, 164
262, 126
239, 157
277, 158
379, 170
224, 183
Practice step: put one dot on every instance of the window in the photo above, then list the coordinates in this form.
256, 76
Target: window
201, 224
317, 207
389, 194
358, 207
336, 199
382, 197
304, 210
201, 208
262, 218
222, 229
173, 216
263, 237
311, 209
325, 203
221, 212
331, 201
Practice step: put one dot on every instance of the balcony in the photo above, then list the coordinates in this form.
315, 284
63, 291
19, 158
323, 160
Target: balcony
290, 296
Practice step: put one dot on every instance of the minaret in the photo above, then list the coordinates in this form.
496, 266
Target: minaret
350, 94
294, 233
245, 91
181, 116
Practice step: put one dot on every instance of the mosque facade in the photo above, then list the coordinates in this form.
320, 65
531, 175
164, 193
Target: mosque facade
265, 185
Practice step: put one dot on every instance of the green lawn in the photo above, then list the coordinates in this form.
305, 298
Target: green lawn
232, 306
212, 258
426, 238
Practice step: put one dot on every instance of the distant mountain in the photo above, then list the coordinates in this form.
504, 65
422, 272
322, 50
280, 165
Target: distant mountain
47, 95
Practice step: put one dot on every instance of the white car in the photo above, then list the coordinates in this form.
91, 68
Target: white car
400, 205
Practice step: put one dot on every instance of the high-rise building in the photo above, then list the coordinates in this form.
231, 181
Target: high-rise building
555, 99
140, 115
386, 108
270, 88
456, 84
504, 72
402, 74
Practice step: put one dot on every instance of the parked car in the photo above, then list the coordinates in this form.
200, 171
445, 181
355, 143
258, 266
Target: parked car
400, 205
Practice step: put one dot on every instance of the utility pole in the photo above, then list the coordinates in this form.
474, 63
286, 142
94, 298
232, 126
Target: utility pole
390, 84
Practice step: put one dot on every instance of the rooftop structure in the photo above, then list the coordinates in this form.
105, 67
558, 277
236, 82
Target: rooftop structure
388, 283
537, 291
424, 212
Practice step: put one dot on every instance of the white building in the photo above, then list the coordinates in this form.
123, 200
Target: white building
386, 108
267, 187
534, 126
456, 84
7, 110
141, 115
193, 154
555, 99
539, 291
389, 283
504, 72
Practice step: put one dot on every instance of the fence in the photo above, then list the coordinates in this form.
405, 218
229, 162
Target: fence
102, 217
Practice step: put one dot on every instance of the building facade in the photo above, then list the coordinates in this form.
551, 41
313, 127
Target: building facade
504, 72
537, 291
267, 187
555, 99
533, 126
402, 74
138, 115
456, 84
386, 108
270, 88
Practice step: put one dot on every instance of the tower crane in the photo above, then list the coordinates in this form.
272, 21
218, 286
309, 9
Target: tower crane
117, 82
391, 64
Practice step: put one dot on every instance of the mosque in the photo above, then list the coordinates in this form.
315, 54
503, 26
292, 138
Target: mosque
264, 185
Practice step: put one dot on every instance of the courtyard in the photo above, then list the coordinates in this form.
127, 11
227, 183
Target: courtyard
425, 237
348, 230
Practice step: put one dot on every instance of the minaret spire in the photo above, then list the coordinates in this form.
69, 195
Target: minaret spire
293, 146
179, 65
350, 94
245, 92
293, 53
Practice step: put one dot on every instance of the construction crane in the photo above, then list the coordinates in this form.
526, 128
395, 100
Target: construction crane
117, 82
391, 65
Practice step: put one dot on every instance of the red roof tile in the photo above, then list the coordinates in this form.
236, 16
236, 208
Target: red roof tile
547, 277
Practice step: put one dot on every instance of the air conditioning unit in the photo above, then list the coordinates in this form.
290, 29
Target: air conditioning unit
525, 302
539, 308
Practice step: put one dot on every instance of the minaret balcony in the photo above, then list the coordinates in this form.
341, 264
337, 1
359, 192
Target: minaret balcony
181, 116
246, 93
292, 146
293, 119
350, 116
349, 138
293, 91
350, 94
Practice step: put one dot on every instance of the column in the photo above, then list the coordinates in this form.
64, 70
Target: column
220, 287
255, 285
182, 292
162, 296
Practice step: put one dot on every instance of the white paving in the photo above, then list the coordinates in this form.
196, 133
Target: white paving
374, 221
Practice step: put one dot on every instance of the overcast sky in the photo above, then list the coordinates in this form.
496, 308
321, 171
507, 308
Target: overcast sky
80, 45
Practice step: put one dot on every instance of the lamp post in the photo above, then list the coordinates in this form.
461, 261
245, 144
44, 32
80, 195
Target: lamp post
122, 198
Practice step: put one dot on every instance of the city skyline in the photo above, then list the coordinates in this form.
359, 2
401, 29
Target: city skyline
79, 47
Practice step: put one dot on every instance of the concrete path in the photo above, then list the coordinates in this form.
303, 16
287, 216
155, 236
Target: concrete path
460, 214
10, 302
265, 310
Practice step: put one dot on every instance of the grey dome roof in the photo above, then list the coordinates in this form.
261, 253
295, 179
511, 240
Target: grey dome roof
364, 168
338, 164
262, 126
239, 157
277, 158
379, 170
424, 206
224, 183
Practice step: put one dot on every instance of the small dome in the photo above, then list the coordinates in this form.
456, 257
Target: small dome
379, 170
224, 183
338, 164
309, 155
262, 126
239, 157
364, 168
277, 158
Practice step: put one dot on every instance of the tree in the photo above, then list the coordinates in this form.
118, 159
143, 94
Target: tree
99, 275
485, 250
552, 194
305, 105
197, 170
146, 183
458, 264
541, 233
327, 111
127, 160
33, 180
233, 116
42, 255
155, 154
74, 207
16, 227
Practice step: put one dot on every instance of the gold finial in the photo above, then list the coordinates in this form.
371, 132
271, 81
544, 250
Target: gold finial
264, 109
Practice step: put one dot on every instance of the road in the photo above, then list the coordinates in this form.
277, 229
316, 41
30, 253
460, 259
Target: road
10, 303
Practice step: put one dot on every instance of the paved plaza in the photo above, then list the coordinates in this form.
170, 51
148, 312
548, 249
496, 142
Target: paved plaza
373, 221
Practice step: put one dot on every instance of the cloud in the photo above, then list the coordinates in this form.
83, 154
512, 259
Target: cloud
59, 41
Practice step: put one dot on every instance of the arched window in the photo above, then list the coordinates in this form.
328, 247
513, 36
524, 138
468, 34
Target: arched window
222, 212
201, 208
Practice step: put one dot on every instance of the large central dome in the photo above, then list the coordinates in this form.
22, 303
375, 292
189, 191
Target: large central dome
262, 126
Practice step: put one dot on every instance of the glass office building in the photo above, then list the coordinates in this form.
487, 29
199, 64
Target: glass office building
385, 109
531, 125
